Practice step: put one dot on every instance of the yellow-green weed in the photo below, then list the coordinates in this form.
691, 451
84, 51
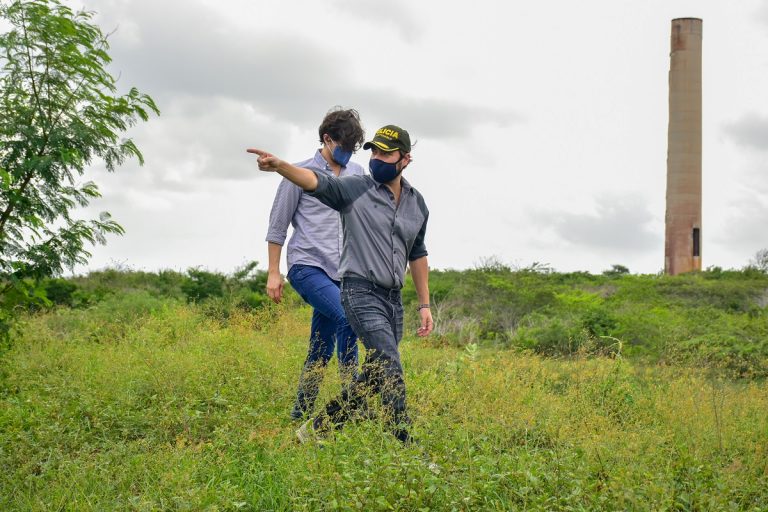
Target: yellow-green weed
173, 410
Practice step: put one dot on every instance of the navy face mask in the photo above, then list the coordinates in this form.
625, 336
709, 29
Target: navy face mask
383, 172
341, 156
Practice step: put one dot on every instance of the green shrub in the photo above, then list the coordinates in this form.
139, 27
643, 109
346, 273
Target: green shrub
599, 321
201, 285
549, 335
738, 356
60, 291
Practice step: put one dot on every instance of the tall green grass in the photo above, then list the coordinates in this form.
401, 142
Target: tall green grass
714, 319
139, 403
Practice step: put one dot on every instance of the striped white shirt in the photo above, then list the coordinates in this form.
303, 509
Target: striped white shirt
317, 234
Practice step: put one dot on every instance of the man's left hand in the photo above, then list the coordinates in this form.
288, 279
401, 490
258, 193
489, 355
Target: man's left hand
426, 322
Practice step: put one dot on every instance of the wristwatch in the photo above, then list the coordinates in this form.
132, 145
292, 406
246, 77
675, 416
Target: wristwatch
422, 306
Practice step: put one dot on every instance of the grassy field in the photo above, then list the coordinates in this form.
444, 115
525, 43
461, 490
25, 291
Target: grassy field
138, 404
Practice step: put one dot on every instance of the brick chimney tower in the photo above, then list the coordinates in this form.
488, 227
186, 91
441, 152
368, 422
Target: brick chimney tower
682, 248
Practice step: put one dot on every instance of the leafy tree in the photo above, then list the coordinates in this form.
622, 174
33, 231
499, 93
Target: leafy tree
616, 270
245, 287
60, 291
202, 284
59, 110
760, 261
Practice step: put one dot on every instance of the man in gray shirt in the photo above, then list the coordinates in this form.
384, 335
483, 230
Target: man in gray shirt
384, 222
314, 252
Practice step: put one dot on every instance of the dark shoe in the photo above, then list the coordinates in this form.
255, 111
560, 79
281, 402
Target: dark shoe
297, 414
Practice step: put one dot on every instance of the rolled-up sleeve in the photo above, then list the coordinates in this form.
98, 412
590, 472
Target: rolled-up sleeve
283, 209
419, 249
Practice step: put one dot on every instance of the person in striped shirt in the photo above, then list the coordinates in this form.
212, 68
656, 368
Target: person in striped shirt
313, 255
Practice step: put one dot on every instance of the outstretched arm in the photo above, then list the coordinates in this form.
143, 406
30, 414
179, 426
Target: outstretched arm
304, 178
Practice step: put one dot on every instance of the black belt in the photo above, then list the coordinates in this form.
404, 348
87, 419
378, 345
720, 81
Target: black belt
389, 292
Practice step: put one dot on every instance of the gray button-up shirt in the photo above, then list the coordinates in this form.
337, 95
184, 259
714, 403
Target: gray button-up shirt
380, 237
317, 234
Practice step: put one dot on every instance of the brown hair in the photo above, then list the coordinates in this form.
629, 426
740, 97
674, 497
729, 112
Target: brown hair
343, 126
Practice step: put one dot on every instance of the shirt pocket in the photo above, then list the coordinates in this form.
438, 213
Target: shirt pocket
296, 273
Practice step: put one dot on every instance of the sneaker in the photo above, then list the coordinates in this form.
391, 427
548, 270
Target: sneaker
306, 432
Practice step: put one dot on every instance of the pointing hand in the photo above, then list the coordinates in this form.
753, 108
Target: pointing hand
267, 161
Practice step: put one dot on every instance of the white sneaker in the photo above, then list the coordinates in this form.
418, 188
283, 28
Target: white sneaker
306, 432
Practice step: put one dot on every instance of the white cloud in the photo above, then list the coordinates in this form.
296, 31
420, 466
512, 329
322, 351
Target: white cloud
762, 11
396, 14
746, 224
751, 131
175, 48
524, 113
619, 224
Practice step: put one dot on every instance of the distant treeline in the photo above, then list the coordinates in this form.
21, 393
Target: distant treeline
245, 288
716, 318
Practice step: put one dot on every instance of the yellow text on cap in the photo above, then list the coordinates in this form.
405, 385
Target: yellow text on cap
387, 132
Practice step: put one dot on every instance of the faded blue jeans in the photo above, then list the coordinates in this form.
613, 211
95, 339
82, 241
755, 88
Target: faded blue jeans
376, 315
329, 328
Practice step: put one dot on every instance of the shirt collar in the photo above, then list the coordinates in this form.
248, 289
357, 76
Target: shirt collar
406, 187
320, 162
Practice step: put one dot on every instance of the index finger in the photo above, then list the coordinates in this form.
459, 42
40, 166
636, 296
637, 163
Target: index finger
258, 152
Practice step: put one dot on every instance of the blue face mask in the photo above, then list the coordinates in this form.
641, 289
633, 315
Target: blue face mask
341, 156
383, 172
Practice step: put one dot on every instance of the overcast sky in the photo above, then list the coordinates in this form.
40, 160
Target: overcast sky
541, 126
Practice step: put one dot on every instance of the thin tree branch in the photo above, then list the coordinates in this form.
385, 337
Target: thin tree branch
31, 72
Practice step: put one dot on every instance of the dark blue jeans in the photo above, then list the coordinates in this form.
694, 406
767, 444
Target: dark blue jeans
329, 328
376, 315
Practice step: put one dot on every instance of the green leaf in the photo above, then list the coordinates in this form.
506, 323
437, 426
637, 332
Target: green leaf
59, 112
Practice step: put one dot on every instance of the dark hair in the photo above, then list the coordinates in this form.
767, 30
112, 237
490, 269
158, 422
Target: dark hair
343, 126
